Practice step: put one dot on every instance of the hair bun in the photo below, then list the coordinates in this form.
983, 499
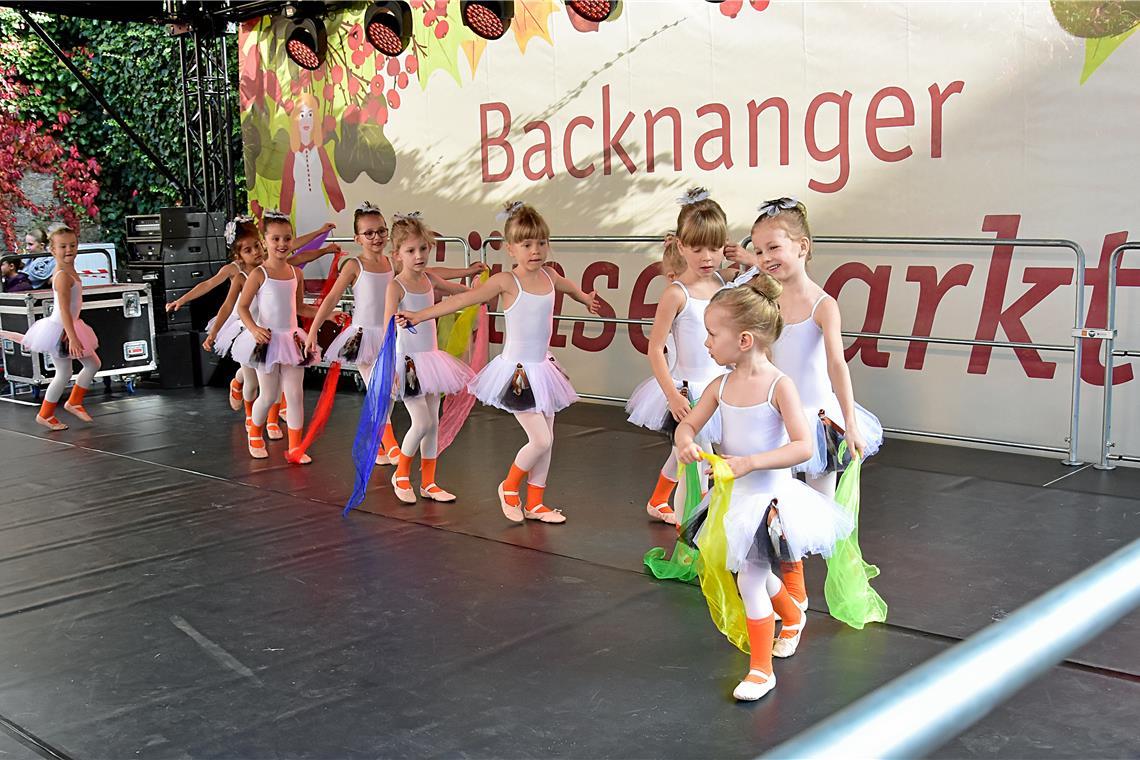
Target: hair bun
767, 286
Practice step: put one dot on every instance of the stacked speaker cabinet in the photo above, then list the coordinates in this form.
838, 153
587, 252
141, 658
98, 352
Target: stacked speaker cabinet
174, 250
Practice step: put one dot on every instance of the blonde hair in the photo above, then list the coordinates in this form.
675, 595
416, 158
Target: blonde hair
794, 220
753, 308
57, 229
406, 228
524, 223
305, 99
700, 224
672, 262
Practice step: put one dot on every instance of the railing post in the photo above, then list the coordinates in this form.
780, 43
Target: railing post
1109, 345
1078, 354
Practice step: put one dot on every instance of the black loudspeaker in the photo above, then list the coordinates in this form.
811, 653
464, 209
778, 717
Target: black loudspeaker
176, 352
209, 368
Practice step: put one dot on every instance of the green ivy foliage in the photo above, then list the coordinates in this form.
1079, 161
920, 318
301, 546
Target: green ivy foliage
135, 66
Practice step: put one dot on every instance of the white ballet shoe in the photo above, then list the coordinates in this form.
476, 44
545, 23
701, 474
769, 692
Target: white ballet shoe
514, 513
258, 452
547, 515
659, 513
51, 423
786, 647
750, 691
406, 495
383, 460
437, 495
273, 431
305, 459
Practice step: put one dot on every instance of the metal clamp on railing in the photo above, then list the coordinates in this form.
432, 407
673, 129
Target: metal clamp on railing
922, 710
1077, 333
1110, 354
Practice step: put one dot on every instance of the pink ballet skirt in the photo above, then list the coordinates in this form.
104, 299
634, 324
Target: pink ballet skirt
371, 340
282, 349
548, 389
44, 335
435, 372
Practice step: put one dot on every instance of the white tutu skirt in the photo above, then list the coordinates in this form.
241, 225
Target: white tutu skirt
808, 522
224, 340
282, 349
371, 340
435, 372
648, 408
826, 440
548, 388
44, 335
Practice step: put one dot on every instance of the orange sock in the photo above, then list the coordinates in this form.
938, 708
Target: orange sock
793, 575
77, 394
274, 415
662, 490
534, 496
256, 441
427, 472
789, 613
47, 409
235, 389
248, 411
512, 483
760, 634
404, 468
295, 436
389, 440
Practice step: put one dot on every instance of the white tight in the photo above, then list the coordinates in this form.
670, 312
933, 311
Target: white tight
534, 457
669, 469
424, 432
62, 377
825, 484
287, 376
757, 584
247, 376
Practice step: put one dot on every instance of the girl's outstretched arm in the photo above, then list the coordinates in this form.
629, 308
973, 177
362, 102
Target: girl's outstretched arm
687, 450
232, 295
227, 272
495, 286
347, 276
589, 300
668, 307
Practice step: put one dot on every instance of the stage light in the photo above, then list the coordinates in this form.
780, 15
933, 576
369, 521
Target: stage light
388, 26
593, 10
489, 19
306, 42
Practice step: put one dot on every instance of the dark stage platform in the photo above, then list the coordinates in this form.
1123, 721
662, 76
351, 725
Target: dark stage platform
163, 595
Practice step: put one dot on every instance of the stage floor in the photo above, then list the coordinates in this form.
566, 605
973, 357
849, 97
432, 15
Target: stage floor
163, 595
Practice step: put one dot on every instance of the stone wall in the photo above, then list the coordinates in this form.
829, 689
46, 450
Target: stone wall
38, 189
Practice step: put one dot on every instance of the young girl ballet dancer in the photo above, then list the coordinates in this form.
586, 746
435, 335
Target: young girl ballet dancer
772, 515
524, 379
810, 351
272, 343
423, 372
63, 335
369, 275
695, 251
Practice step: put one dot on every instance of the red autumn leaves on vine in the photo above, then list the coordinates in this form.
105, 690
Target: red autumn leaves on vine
32, 146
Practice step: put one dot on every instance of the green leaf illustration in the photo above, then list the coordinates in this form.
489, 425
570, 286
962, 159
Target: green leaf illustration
1097, 51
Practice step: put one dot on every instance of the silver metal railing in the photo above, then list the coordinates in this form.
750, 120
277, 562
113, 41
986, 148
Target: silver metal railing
1078, 320
923, 709
1078, 332
1110, 354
